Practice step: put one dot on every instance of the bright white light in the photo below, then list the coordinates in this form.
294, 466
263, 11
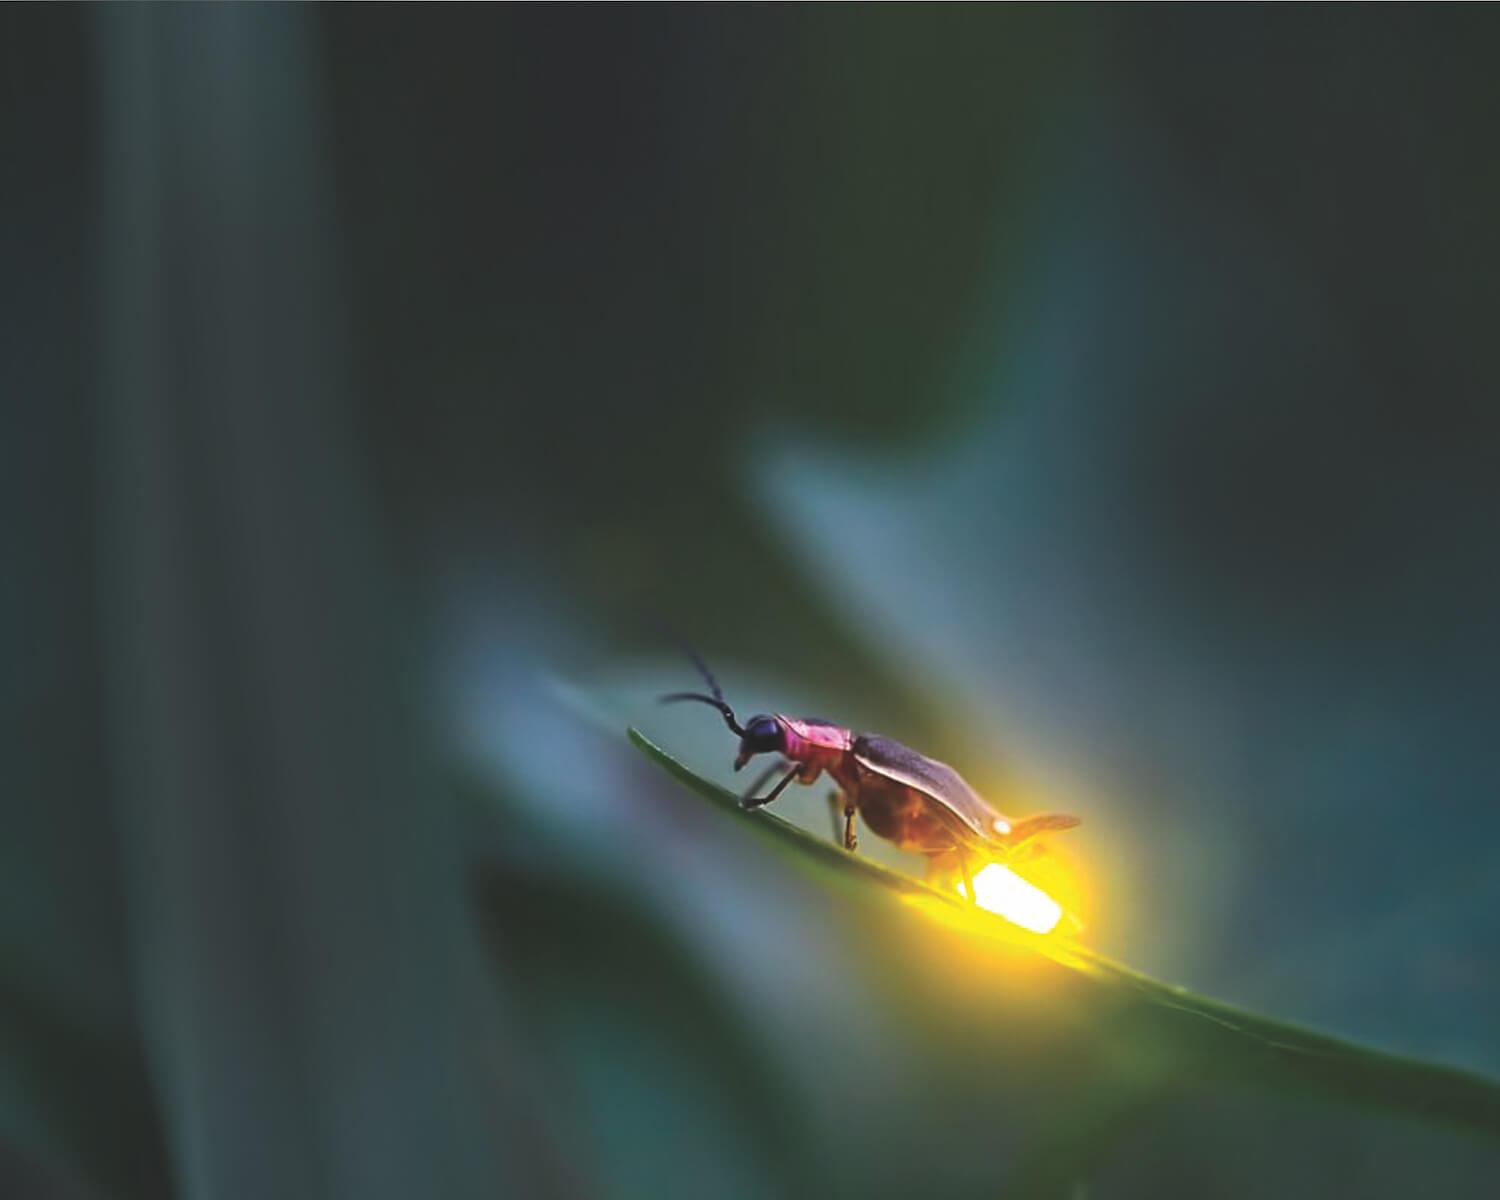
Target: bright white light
1002, 891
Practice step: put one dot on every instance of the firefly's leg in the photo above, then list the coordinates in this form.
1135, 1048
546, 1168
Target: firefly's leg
757, 801
851, 842
963, 865
760, 782
833, 815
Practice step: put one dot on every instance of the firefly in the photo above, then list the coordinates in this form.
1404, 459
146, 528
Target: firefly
914, 802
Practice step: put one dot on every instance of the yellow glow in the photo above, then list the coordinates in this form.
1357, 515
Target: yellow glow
1002, 891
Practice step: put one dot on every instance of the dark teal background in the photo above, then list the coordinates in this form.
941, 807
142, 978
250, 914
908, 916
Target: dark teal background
1101, 400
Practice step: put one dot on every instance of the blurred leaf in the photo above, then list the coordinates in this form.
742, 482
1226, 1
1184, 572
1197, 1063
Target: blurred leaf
1175, 1034
77, 1100
639, 1036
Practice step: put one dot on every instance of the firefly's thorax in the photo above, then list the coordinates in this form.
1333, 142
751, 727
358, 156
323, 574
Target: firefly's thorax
818, 745
809, 737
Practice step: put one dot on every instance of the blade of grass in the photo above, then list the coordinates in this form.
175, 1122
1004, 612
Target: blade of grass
1209, 1039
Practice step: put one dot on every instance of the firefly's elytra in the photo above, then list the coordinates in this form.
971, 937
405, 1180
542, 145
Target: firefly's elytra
914, 802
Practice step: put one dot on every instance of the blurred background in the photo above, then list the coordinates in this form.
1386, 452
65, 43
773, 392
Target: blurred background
1100, 400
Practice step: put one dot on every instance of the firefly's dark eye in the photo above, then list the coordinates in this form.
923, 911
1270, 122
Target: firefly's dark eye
762, 734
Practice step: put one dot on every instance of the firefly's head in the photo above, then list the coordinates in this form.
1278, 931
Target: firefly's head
763, 735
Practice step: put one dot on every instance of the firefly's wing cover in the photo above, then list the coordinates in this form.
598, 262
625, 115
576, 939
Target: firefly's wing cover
935, 779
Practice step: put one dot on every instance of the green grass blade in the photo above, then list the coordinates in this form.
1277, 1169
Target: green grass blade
1202, 1039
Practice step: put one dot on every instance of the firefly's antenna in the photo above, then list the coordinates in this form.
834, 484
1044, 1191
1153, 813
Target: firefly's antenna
713, 684
716, 700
